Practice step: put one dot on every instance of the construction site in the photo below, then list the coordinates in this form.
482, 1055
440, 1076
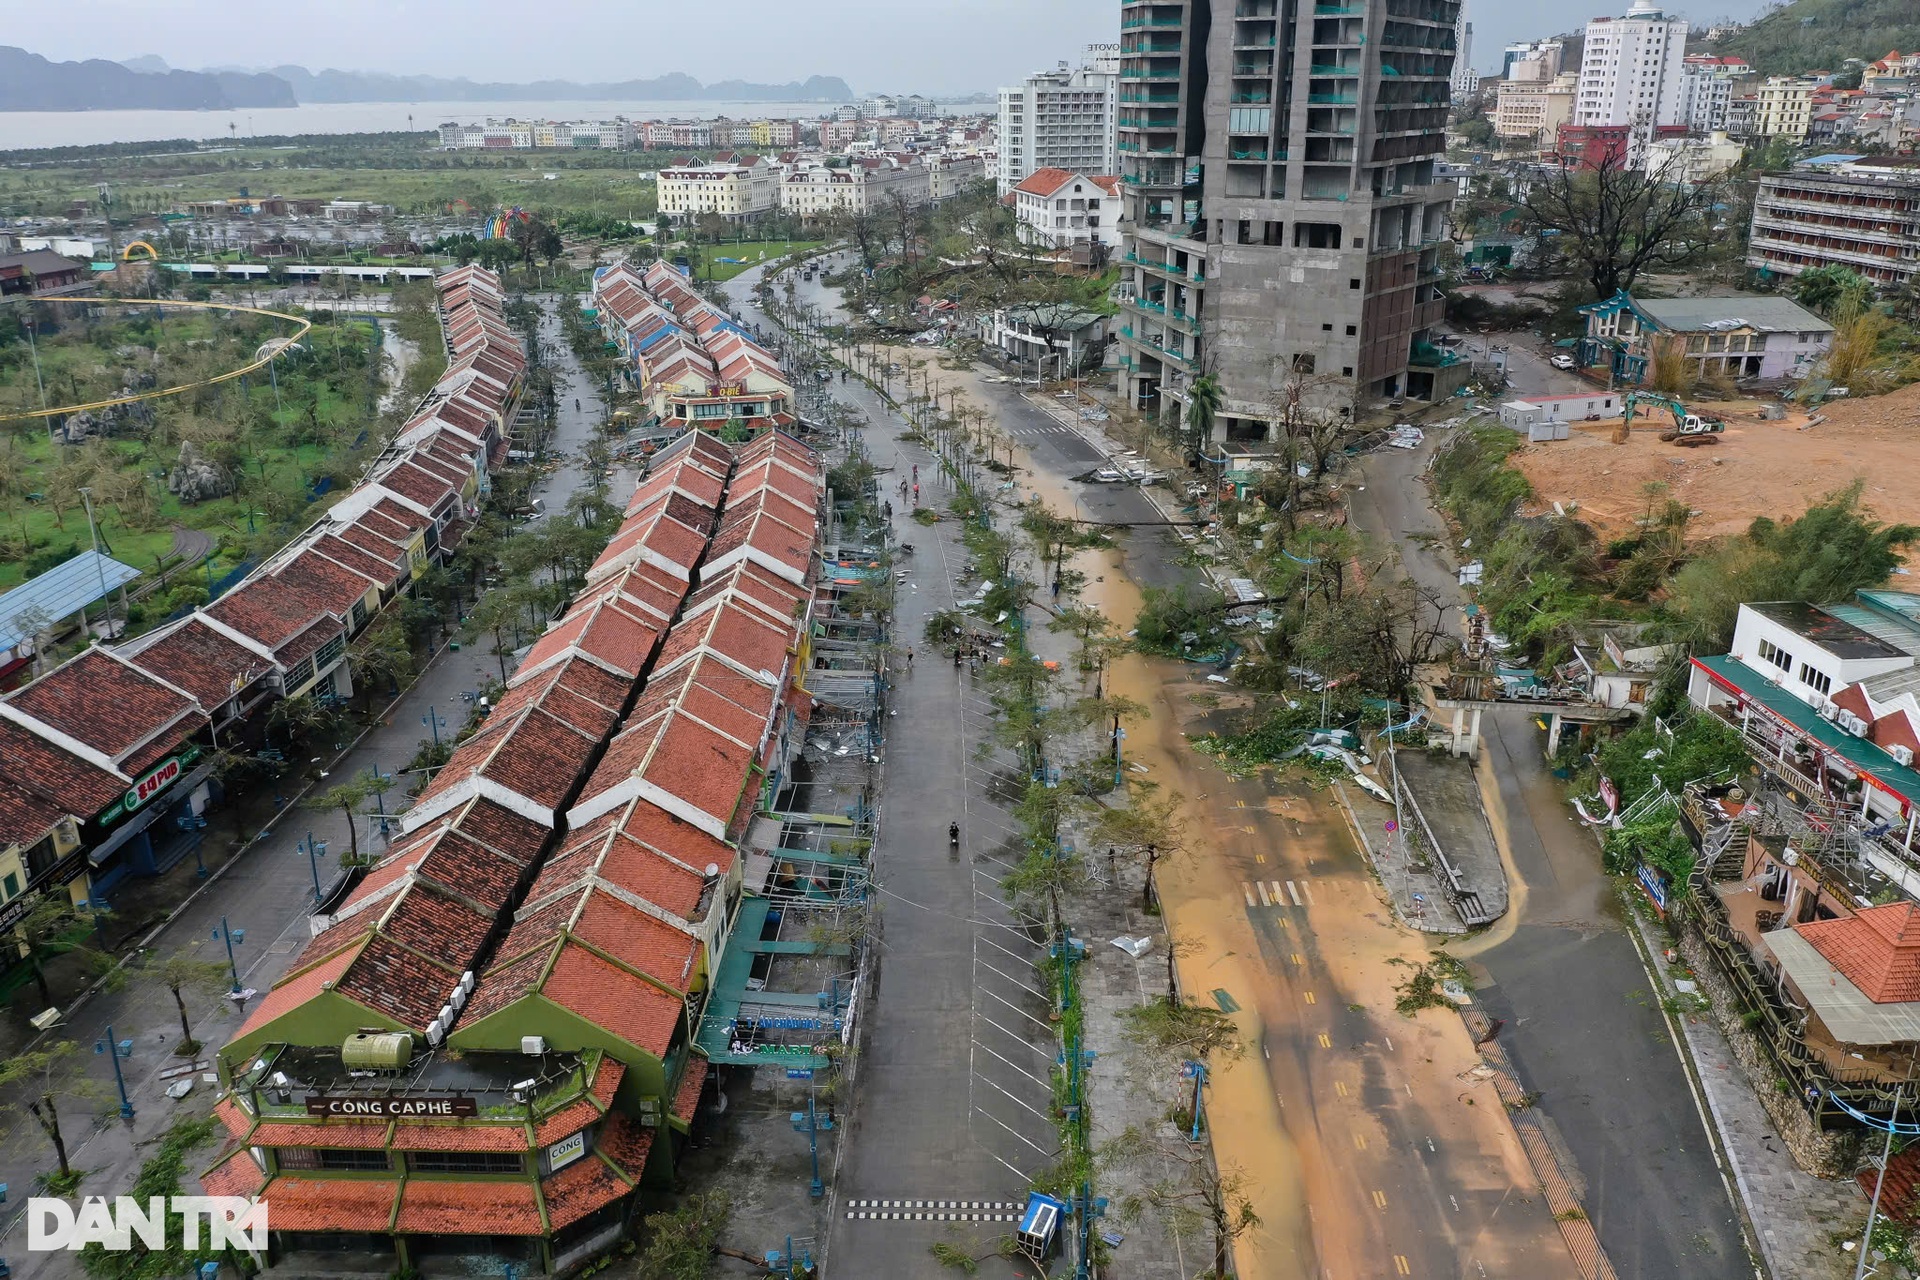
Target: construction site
1756, 466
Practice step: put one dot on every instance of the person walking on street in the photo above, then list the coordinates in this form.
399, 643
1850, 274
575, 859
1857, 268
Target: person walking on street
909, 657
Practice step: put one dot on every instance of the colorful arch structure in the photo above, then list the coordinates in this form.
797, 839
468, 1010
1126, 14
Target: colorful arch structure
259, 362
126, 254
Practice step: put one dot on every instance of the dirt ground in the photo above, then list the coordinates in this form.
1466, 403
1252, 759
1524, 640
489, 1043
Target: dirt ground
1755, 468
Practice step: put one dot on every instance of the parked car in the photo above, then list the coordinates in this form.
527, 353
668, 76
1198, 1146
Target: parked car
1564, 361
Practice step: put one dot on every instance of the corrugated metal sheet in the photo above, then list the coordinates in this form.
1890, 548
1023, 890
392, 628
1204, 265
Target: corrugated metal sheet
60, 592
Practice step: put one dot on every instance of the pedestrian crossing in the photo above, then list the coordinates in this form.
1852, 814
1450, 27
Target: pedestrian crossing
1278, 893
934, 1210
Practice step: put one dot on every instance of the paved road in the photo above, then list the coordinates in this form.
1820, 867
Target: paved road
1287, 909
1566, 977
265, 893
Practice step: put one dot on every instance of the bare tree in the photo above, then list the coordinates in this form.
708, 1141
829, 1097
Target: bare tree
1613, 221
1202, 1196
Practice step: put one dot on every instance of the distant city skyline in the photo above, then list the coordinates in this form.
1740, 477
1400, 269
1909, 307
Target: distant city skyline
952, 47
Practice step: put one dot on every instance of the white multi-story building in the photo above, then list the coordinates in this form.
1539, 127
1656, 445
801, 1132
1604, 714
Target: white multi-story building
1060, 119
1466, 81
1057, 208
1706, 87
521, 135
734, 186
1631, 70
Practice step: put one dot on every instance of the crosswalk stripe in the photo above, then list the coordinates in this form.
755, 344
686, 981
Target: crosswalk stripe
1248, 890
1306, 887
1278, 896
1262, 887
1295, 892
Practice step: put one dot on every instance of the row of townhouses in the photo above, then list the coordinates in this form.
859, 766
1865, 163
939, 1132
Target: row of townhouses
692, 363
490, 1044
108, 761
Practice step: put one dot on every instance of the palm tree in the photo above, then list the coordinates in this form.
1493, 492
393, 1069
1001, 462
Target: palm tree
1203, 406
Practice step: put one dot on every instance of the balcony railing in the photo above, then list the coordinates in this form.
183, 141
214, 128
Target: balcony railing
1332, 99
1171, 99
1339, 11
1320, 69
1132, 24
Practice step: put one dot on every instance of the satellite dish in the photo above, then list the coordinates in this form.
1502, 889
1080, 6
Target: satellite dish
713, 869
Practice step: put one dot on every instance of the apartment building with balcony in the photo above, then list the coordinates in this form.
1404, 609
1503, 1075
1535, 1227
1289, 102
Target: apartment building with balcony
1784, 108
1631, 71
735, 187
1060, 119
1283, 212
1533, 111
1865, 217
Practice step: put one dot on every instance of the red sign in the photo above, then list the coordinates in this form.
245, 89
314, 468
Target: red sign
162, 777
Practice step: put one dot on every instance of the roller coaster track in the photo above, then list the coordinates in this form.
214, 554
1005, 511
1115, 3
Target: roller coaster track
261, 363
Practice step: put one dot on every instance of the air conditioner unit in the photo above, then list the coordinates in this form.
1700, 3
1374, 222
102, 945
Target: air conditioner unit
435, 1032
466, 982
533, 1044
1902, 755
1829, 710
1854, 725
446, 1014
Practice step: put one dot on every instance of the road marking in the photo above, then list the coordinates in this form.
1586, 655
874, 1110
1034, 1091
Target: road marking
1297, 959
1278, 896
1326, 1041
1380, 1199
1456, 1203
1295, 892
1400, 1266
1339, 1086
1248, 890
1310, 999
1239, 804
1360, 1141
1306, 887
1260, 858
1261, 885
1389, 1040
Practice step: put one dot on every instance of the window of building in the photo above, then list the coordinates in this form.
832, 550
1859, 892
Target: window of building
1316, 235
1352, 330
328, 1159
1303, 362
466, 1161
1346, 371
1773, 653
1353, 284
12, 887
1818, 681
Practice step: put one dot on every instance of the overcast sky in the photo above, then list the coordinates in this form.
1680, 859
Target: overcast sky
926, 46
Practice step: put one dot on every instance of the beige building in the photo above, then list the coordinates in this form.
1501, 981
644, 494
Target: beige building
1533, 111
1784, 108
736, 187
867, 183
948, 176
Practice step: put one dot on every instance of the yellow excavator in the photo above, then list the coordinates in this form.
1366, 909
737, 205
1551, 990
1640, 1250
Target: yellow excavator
1688, 428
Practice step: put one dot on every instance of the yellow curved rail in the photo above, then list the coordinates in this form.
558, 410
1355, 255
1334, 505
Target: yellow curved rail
126, 254
163, 392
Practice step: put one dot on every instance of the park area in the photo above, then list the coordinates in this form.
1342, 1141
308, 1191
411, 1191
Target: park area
1756, 468
220, 472
725, 261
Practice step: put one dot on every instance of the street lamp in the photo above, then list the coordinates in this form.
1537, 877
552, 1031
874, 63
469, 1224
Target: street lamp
231, 936
117, 1049
432, 721
313, 849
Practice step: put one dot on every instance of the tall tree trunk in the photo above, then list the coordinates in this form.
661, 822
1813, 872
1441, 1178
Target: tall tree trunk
1146, 889
40, 975
186, 1028
50, 1122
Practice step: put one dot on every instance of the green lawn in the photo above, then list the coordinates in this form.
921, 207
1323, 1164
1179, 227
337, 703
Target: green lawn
707, 257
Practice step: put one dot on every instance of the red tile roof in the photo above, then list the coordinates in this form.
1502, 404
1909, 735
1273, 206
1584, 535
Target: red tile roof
108, 704
195, 657
424, 1136
330, 1204
587, 1184
1878, 950
686, 1099
348, 1135
629, 1007
234, 1174
565, 1122
627, 1143
296, 989
468, 1208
